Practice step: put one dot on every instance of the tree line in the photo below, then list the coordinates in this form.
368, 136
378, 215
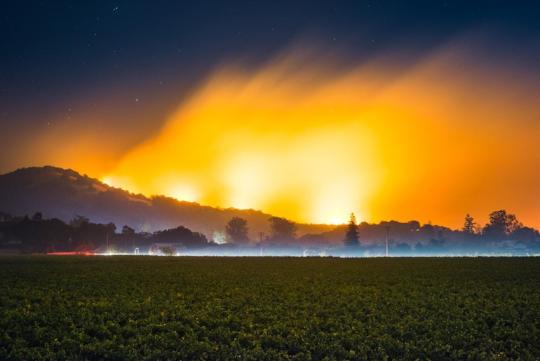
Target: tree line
37, 234
501, 226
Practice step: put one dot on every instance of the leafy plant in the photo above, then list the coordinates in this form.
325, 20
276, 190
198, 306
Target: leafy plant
148, 308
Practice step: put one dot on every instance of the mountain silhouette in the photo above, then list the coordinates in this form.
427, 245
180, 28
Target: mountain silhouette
64, 194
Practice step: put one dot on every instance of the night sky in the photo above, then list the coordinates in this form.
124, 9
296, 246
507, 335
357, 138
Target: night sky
121, 56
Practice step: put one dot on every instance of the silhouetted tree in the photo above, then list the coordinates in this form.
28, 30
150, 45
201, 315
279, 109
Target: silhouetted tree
351, 236
181, 235
469, 225
127, 238
127, 231
78, 221
88, 235
111, 228
237, 230
167, 251
501, 225
282, 230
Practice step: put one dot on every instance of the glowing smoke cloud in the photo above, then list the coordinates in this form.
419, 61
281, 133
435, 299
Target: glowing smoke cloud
313, 145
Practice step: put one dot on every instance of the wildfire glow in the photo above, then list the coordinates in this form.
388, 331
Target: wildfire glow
296, 141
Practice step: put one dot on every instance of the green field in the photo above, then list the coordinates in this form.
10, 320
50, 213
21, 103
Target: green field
158, 308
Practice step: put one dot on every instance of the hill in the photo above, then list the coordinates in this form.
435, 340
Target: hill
64, 193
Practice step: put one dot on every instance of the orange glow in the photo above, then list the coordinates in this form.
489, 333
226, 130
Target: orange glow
314, 146
302, 142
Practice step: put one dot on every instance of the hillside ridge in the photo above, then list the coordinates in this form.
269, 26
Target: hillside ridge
66, 193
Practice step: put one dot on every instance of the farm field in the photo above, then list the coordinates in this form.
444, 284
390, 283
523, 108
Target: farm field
182, 308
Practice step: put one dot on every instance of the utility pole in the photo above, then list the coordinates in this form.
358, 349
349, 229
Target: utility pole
261, 235
387, 235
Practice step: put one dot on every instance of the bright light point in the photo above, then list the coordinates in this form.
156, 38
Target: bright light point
334, 220
219, 237
123, 182
108, 181
184, 193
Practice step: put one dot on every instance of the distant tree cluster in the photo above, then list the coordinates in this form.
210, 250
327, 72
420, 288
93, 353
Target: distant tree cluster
237, 231
501, 226
37, 234
469, 227
282, 231
414, 236
180, 235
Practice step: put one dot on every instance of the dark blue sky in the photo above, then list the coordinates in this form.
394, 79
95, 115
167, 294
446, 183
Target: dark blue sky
59, 58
